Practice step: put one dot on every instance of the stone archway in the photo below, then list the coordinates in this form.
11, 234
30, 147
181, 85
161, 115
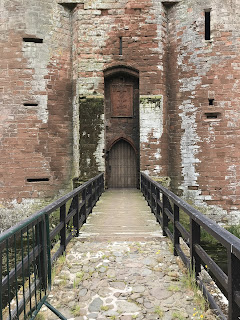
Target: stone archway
123, 171
122, 120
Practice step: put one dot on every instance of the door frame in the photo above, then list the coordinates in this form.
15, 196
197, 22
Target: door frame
108, 150
110, 73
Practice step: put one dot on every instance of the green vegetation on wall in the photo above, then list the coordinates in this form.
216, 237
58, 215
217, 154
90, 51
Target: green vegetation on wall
91, 110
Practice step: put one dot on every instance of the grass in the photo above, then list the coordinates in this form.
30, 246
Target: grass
76, 310
174, 288
178, 315
104, 308
39, 316
234, 230
189, 281
159, 312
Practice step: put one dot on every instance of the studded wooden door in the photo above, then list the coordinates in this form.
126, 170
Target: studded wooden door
122, 166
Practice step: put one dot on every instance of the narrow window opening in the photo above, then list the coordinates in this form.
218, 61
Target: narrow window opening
37, 179
207, 25
120, 46
212, 115
71, 6
27, 104
211, 102
192, 187
34, 40
104, 12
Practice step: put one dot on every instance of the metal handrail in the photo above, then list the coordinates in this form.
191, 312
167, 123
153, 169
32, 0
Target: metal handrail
166, 205
27, 255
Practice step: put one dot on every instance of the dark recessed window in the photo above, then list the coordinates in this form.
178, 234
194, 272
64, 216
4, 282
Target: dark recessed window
120, 46
27, 104
211, 102
37, 179
34, 40
207, 25
212, 115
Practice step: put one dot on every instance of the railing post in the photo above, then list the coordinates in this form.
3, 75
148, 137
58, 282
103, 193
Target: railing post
165, 217
42, 267
98, 188
233, 285
152, 197
94, 192
194, 239
158, 207
101, 184
76, 216
141, 184
63, 231
90, 201
176, 233
83, 211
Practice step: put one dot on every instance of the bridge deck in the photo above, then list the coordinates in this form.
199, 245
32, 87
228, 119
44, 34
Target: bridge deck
121, 267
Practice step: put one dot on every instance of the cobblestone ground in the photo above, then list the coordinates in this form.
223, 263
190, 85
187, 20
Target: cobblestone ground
122, 280
106, 277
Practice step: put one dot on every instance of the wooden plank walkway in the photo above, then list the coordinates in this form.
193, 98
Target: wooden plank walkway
121, 267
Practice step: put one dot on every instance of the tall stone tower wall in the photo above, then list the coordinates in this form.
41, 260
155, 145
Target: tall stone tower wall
58, 60
204, 91
36, 109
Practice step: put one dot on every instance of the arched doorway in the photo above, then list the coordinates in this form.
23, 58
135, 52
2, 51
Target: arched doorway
122, 166
121, 92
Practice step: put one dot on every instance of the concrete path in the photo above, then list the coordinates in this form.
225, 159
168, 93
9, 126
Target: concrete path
121, 214
121, 267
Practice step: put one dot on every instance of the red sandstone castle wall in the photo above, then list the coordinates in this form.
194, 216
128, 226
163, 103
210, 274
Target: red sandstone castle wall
97, 28
182, 135
35, 89
204, 138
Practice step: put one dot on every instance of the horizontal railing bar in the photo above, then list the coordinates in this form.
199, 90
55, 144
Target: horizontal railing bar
81, 221
88, 211
81, 204
24, 300
184, 233
217, 271
211, 300
88, 197
18, 234
47, 210
70, 215
237, 297
169, 214
11, 277
159, 202
57, 254
159, 219
182, 255
169, 234
227, 239
69, 238
56, 230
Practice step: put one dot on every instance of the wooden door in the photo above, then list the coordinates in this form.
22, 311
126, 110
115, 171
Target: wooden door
122, 166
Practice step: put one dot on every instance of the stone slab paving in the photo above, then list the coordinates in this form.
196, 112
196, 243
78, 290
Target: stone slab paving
112, 272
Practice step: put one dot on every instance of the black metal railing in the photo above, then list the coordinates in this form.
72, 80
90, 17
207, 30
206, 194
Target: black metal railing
187, 240
28, 250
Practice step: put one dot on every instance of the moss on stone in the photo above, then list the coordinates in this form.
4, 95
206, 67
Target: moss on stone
164, 181
91, 110
151, 100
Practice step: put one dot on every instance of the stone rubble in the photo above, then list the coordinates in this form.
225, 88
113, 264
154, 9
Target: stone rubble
122, 280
